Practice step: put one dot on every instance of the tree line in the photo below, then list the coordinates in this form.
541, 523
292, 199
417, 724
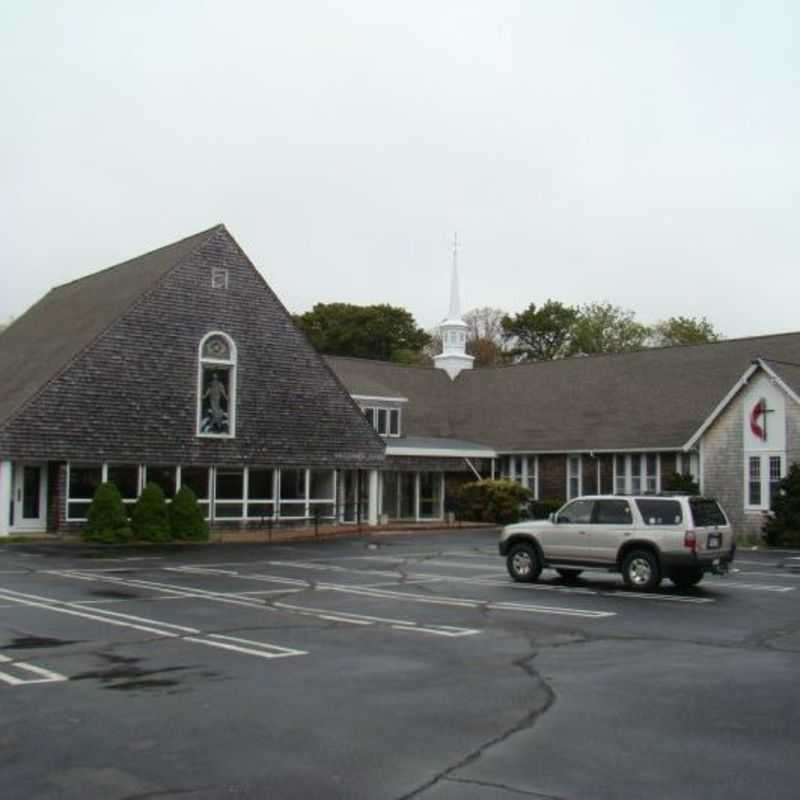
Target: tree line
538, 333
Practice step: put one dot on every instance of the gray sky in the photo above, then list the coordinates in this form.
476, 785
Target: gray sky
643, 153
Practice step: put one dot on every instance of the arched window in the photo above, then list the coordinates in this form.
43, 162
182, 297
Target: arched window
216, 386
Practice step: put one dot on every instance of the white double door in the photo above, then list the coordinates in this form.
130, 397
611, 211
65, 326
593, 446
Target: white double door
29, 498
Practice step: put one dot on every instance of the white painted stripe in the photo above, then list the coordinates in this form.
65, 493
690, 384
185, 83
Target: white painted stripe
364, 617
273, 648
437, 631
779, 576
10, 679
235, 648
755, 587
46, 675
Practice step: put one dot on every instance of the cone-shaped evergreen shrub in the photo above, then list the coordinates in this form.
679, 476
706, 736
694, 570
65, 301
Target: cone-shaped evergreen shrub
107, 520
186, 517
150, 520
783, 527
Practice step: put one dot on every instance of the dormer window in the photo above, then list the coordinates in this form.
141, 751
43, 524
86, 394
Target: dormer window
216, 386
386, 421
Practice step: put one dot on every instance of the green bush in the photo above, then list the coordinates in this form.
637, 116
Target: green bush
497, 501
542, 509
186, 517
150, 519
782, 528
681, 482
107, 520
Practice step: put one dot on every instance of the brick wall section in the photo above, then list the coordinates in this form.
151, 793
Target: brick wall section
131, 397
552, 477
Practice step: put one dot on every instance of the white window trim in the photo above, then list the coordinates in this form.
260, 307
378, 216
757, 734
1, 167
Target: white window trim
233, 366
388, 409
642, 475
764, 457
579, 459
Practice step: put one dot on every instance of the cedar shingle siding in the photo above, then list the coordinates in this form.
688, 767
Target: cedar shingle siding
131, 393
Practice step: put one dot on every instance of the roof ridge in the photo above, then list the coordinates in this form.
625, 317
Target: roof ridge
378, 361
208, 232
585, 356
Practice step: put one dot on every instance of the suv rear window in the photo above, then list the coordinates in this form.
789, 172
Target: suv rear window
660, 512
706, 512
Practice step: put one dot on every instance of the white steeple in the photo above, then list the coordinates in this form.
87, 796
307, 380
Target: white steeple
453, 329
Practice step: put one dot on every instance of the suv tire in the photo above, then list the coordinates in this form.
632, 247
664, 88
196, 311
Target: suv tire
686, 578
640, 571
523, 563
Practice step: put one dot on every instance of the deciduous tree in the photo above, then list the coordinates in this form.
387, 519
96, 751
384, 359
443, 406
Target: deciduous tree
381, 332
540, 334
606, 328
683, 330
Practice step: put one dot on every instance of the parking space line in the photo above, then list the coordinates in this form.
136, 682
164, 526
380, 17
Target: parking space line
131, 621
756, 587
236, 599
45, 675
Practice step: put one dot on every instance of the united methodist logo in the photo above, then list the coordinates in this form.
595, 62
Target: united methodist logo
760, 412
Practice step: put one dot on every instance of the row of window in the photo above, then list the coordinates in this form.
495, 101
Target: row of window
633, 473
655, 511
223, 493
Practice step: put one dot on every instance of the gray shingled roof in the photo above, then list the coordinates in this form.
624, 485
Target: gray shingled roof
650, 399
789, 373
50, 334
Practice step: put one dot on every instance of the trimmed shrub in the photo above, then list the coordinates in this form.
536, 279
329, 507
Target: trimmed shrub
497, 501
681, 482
542, 509
107, 520
782, 528
186, 517
150, 521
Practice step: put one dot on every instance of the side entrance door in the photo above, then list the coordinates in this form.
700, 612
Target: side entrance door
30, 498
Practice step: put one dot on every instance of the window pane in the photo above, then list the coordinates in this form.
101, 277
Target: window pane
260, 484
660, 512
77, 510
390, 495
217, 347
83, 481
612, 512
382, 424
321, 510
322, 484
394, 422
369, 413
259, 510
293, 509
293, 484
230, 485
214, 394
196, 478
228, 510
579, 512
774, 478
32, 480
126, 479
706, 512
754, 485
163, 477
430, 484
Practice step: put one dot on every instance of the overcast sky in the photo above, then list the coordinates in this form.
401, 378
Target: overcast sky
642, 153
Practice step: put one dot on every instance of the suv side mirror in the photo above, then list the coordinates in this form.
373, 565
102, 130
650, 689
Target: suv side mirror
553, 518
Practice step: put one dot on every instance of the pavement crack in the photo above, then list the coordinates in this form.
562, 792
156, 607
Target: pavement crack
528, 721
503, 787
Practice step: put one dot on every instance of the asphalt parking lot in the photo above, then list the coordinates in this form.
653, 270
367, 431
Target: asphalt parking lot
389, 667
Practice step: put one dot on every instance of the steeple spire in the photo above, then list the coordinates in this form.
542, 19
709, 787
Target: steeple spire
453, 329
455, 300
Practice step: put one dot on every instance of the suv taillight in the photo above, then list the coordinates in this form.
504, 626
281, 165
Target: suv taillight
690, 540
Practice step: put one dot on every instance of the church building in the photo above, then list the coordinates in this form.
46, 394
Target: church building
182, 367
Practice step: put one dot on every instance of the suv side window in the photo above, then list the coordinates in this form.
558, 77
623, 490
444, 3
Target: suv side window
660, 512
706, 512
612, 512
579, 511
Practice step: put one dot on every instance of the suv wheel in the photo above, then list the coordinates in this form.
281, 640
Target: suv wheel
523, 563
640, 571
686, 578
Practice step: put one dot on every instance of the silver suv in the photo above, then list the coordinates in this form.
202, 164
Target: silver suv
646, 538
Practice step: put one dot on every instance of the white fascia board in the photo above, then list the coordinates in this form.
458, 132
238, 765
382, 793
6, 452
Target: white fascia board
436, 452
779, 381
588, 451
712, 417
374, 398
